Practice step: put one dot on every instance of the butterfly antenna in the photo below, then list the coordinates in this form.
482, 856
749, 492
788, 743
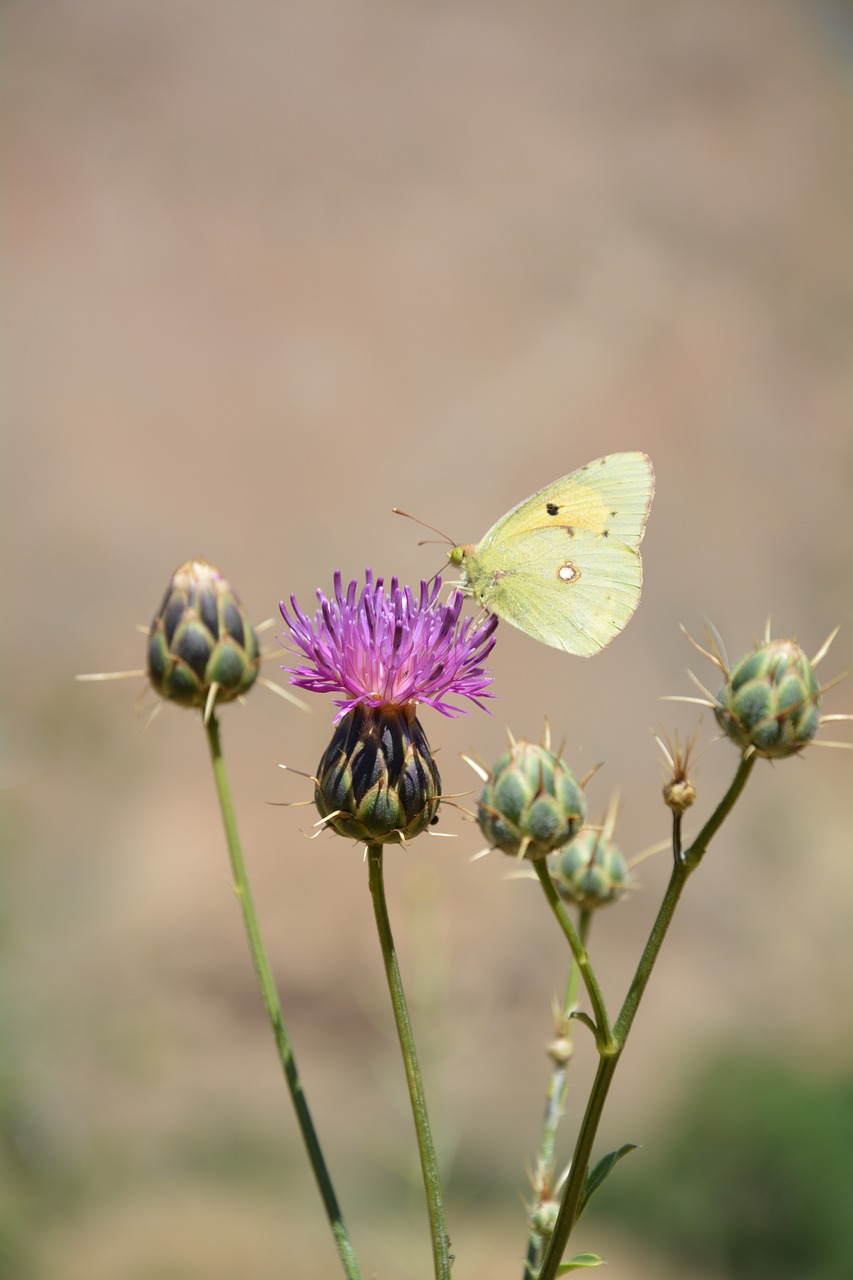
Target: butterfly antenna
444, 537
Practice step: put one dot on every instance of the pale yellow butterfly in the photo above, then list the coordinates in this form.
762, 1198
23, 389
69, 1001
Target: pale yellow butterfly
564, 565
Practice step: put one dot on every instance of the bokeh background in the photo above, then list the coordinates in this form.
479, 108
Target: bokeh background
271, 269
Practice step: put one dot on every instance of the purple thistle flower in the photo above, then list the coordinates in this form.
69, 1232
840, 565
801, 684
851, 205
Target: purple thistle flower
384, 647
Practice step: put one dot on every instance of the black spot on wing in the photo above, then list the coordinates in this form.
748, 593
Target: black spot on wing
552, 509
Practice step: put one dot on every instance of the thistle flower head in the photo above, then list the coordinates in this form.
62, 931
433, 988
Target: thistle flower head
387, 647
532, 803
770, 700
377, 781
590, 871
201, 645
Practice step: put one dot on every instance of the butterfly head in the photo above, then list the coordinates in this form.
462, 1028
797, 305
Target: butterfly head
458, 555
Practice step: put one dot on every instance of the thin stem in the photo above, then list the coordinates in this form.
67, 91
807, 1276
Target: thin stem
697, 849
603, 1033
683, 866
576, 1181
571, 997
429, 1164
674, 889
273, 1008
559, 1083
555, 1098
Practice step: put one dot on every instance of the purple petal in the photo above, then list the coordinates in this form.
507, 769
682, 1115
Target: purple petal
390, 646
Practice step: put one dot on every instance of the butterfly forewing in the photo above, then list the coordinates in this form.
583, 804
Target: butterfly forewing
613, 493
564, 565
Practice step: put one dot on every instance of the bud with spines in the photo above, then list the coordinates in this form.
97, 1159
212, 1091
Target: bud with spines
770, 701
542, 1217
201, 645
377, 781
679, 789
532, 803
589, 872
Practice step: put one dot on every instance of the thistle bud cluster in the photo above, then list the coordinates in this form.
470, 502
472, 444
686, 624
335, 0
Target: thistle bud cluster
591, 871
770, 701
200, 639
532, 803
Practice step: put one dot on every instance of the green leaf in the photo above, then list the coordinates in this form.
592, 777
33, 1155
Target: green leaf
602, 1170
586, 1020
578, 1261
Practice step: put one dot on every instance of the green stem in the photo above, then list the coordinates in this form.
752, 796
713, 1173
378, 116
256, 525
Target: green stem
694, 854
272, 1006
683, 866
559, 1083
573, 1190
660, 928
685, 863
571, 997
603, 1033
555, 1099
429, 1164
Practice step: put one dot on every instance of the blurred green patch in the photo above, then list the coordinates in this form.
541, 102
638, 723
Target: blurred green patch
754, 1179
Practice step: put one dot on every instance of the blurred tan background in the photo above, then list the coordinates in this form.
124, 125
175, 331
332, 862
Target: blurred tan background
273, 268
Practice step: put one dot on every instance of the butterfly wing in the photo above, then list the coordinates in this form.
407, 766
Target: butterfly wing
564, 565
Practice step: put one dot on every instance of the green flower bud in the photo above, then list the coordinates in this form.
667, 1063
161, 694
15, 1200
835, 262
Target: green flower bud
770, 702
543, 1218
200, 639
679, 794
589, 872
531, 804
377, 781
560, 1050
